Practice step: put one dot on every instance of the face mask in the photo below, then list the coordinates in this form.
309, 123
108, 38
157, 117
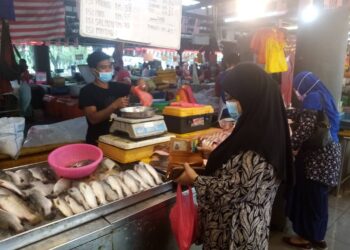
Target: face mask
232, 110
105, 76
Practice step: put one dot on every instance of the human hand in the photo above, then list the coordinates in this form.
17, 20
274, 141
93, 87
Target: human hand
188, 176
121, 102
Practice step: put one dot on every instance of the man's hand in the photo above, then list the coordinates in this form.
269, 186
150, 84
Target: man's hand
121, 102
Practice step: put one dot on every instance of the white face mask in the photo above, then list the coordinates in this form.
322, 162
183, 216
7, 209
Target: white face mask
232, 109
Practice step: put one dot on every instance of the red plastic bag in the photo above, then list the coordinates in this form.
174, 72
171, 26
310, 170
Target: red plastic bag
183, 219
146, 99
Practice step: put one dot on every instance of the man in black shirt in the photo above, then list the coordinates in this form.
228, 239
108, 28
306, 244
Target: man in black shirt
102, 97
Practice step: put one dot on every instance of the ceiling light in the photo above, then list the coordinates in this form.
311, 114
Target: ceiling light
209, 6
292, 27
240, 19
189, 2
309, 14
203, 8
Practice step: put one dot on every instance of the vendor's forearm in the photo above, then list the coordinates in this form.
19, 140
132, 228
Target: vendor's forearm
100, 116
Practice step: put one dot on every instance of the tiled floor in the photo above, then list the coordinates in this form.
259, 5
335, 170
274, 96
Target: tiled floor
338, 233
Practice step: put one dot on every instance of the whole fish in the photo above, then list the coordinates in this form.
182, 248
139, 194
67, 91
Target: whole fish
80, 163
153, 172
25, 176
41, 202
61, 205
45, 189
38, 174
61, 186
17, 207
16, 179
11, 186
74, 206
131, 182
115, 186
137, 177
125, 188
4, 176
8, 220
77, 195
110, 194
88, 194
145, 175
108, 164
99, 192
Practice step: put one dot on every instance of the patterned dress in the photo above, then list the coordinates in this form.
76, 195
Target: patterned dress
235, 203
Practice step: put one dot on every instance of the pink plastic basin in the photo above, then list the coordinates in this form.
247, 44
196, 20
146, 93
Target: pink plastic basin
62, 157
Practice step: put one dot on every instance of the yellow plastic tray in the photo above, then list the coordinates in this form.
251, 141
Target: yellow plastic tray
198, 133
126, 156
184, 112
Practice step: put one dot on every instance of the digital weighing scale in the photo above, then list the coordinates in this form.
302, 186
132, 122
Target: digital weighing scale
139, 128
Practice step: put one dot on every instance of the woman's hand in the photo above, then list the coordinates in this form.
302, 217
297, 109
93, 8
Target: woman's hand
188, 176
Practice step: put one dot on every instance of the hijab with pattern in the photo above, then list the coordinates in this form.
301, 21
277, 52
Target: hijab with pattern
316, 96
262, 126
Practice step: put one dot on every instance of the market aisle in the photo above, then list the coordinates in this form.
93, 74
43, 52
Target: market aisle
338, 225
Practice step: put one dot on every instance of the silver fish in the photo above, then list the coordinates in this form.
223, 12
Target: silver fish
145, 175
17, 207
108, 164
11, 186
137, 177
40, 201
153, 172
88, 194
44, 189
77, 195
99, 192
4, 175
38, 174
8, 220
16, 179
125, 188
81, 163
110, 194
131, 182
115, 186
61, 186
74, 206
61, 205
25, 176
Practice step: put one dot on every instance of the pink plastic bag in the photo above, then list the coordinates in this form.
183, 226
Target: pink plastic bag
183, 219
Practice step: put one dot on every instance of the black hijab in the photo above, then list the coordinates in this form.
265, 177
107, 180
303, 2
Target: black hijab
262, 126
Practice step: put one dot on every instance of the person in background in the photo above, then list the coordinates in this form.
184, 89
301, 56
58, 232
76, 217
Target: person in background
243, 173
121, 75
103, 97
145, 70
316, 169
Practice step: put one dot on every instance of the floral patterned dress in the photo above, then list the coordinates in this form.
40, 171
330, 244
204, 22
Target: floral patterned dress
235, 203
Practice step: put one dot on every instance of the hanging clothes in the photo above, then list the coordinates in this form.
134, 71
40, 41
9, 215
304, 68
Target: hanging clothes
268, 45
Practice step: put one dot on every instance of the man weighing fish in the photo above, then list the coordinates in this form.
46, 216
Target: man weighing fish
103, 97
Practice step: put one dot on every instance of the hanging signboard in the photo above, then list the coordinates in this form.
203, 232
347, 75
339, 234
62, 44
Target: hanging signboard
152, 22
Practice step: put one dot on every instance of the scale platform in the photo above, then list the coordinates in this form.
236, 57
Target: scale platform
139, 128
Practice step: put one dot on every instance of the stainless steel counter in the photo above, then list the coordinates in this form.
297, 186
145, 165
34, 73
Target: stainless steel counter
144, 225
140, 219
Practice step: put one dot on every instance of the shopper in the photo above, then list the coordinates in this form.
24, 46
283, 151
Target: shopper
243, 173
121, 75
102, 97
316, 169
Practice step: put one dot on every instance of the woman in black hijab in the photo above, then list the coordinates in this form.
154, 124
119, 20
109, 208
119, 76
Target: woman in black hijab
243, 174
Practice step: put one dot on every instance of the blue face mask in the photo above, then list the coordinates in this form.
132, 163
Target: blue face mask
232, 110
105, 76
